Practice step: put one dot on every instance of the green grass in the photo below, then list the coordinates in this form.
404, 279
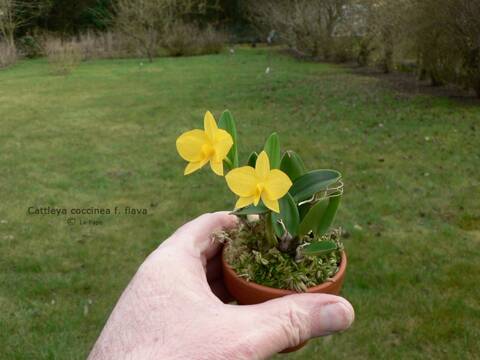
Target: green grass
104, 137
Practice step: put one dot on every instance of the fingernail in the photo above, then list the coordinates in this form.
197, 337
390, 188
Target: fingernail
335, 317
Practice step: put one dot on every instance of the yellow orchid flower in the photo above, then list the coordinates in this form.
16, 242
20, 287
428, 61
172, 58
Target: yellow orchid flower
252, 184
201, 146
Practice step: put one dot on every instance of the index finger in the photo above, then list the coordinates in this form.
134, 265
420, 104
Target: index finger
196, 235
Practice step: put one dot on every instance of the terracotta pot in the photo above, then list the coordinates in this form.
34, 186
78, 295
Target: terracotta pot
249, 293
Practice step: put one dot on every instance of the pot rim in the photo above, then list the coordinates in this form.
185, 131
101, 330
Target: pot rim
282, 292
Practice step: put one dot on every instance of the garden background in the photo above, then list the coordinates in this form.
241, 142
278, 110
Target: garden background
94, 93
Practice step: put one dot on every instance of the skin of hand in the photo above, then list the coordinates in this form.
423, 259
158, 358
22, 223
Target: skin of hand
175, 307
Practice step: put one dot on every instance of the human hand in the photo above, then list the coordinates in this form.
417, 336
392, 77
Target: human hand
174, 308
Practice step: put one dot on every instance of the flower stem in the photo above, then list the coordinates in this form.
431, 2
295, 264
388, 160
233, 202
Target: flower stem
269, 232
229, 163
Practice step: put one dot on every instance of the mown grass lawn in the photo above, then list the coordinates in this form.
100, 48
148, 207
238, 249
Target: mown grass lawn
105, 136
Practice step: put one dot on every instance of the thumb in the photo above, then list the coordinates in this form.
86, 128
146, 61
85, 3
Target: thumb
288, 321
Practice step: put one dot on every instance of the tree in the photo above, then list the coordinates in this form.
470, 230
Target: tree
445, 36
384, 25
72, 17
308, 27
15, 14
462, 26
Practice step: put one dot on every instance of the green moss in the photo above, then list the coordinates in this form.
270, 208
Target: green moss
251, 259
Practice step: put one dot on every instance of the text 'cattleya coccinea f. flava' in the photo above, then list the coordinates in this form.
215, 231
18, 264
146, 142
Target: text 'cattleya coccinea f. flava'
261, 182
199, 147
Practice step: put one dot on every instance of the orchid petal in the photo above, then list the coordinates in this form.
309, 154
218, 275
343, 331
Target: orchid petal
256, 198
262, 167
189, 145
217, 167
242, 181
243, 201
223, 144
271, 204
194, 166
277, 185
210, 126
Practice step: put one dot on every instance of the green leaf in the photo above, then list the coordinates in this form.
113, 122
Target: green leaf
320, 217
303, 209
292, 165
251, 209
313, 182
227, 123
252, 159
288, 215
329, 215
272, 148
319, 248
313, 217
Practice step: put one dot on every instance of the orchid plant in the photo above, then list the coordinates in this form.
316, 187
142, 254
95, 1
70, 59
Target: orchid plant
296, 205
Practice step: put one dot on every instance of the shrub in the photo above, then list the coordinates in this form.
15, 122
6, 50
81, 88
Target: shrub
106, 45
63, 56
30, 47
311, 28
88, 45
343, 49
364, 50
180, 40
187, 39
150, 22
442, 35
8, 54
211, 41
